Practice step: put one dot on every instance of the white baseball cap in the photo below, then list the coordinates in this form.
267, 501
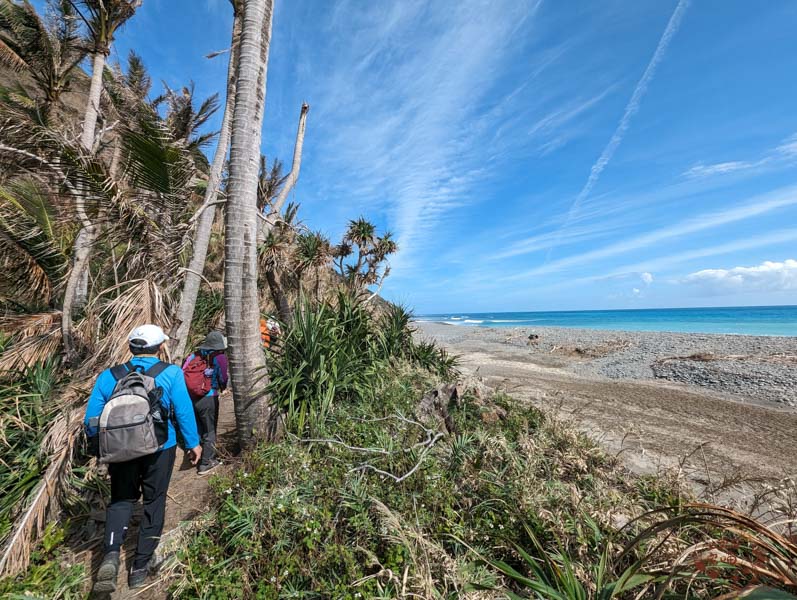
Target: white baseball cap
147, 335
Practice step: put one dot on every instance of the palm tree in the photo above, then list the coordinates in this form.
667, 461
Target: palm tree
102, 19
247, 361
370, 267
185, 120
275, 261
207, 212
48, 52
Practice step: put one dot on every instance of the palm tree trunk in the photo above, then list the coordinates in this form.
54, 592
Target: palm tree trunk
193, 276
266, 225
279, 297
80, 258
93, 104
76, 292
247, 361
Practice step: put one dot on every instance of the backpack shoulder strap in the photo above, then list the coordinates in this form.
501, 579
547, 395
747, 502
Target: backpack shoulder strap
120, 371
156, 369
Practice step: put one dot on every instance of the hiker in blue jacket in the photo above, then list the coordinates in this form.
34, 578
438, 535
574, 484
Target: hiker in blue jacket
147, 475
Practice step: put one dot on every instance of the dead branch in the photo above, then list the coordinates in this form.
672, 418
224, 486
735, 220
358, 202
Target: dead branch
197, 274
409, 473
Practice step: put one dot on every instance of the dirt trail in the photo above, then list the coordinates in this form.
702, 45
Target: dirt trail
188, 499
653, 424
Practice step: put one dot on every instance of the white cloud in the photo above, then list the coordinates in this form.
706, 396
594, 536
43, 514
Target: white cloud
407, 125
768, 276
636, 291
780, 156
647, 278
789, 146
764, 204
631, 108
702, 170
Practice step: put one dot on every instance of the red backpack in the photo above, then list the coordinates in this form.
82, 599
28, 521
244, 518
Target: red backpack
195, 380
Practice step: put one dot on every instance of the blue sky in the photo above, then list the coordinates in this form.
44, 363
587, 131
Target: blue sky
532, 155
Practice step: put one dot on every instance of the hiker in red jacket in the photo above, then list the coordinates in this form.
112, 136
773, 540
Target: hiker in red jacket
206, 377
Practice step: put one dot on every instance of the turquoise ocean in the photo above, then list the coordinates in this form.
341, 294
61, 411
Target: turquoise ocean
747, 320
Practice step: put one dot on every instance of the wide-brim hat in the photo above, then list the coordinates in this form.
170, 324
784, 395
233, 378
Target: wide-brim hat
214, 341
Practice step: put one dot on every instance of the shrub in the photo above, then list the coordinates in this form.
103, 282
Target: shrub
339, 353
378, 509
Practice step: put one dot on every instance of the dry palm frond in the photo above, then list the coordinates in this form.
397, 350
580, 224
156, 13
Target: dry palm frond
736, 548
33, 349
29, 324
138, 302
421, 549
58, 445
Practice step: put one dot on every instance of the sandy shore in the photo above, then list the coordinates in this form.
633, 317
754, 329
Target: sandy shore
716, 405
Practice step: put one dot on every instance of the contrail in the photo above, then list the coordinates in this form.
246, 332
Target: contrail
630, 110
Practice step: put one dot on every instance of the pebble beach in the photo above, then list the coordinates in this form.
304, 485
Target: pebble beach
751, 368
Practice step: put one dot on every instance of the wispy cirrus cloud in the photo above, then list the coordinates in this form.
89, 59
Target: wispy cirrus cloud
631, 108
701, 170
764, 204
409, 123
781, 155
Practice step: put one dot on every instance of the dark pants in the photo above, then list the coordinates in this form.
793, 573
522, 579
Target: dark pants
207, 415
148, 474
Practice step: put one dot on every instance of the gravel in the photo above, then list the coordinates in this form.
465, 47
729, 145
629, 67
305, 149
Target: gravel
759, 368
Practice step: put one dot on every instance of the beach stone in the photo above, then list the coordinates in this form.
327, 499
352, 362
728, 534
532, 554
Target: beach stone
753, 368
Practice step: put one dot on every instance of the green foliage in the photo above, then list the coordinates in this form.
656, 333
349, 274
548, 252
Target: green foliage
26, 409
555, 576
209, 306
339, 353
32, 242
395, 331
47, 578
327, 356
328, 518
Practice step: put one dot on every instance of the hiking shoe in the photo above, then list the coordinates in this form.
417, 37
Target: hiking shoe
107, 574
138, 577
208, 467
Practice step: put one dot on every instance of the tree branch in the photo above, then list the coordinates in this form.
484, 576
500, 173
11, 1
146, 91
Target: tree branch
200, 275
409, 473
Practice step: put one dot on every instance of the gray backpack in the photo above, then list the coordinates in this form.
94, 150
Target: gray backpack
133, 422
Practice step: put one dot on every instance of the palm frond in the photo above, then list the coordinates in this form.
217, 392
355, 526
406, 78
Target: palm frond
9, 58
33, 349
31, 252
27, 325
47, 52
138, 302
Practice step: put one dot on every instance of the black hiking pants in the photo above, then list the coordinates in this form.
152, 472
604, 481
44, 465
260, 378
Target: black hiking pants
148, 475
206, 410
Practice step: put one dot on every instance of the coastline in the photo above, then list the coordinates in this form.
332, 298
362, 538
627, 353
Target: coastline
711, 404
751, 368
777, 321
